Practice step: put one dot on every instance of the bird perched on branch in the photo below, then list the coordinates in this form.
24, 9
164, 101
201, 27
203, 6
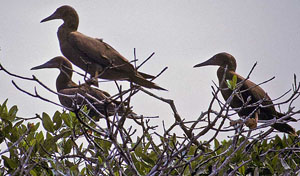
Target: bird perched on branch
93, 55
66, 86
225, 73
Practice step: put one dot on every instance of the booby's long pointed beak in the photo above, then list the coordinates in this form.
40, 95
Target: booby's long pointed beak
51, 17
45, 65
205, 63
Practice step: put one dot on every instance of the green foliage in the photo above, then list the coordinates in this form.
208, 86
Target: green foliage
57, 149
232, 83
47, 123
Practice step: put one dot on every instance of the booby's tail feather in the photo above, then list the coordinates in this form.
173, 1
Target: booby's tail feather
285, 128
138, 79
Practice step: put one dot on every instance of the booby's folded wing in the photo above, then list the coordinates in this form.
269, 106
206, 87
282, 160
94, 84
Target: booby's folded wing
96, 51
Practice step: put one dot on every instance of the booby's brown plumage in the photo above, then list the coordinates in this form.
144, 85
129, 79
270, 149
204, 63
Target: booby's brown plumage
93, 55
65, 85
252, 90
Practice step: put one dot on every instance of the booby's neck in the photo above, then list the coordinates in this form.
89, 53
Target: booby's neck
71, 21
63, 32
64, 79
70, 25
230, 71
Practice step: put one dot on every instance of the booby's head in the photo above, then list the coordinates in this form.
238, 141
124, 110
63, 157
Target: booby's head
221, 59
57, 62
67, 14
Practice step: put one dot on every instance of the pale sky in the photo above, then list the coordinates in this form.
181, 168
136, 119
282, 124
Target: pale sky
181, 33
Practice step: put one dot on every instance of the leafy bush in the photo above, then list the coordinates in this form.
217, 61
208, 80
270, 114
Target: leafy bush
73, 143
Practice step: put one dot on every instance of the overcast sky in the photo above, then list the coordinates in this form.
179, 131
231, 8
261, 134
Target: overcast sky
181, 33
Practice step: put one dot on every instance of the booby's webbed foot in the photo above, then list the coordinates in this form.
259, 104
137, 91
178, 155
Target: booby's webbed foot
92, 81
251, 123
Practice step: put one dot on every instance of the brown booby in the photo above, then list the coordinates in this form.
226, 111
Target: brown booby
93, 55
248, 89
66, 86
